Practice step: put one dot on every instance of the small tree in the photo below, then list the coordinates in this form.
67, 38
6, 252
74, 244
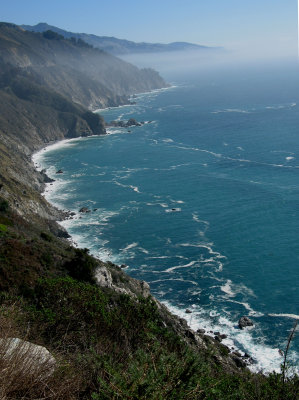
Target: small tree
82, 267
3, 205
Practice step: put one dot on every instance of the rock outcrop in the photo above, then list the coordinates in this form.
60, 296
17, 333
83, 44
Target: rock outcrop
26, 358
245, 322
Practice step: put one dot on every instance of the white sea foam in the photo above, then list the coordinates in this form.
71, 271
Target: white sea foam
196, 218
135, 188
143, 250
167, 140
226, 288
231, 110
281, 106
38, 156
241, 160
190, 264
266, 359
115, 131
175, 279
251, 311
293, 316
129, 246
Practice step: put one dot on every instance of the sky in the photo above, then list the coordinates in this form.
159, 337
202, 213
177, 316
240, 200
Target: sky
254, 24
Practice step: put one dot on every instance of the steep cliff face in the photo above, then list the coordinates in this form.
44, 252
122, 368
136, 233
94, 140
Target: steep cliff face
47, 87
32, 116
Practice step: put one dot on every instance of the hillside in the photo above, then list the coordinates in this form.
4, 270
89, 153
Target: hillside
85, 75
107, 336
120, 46
47, 87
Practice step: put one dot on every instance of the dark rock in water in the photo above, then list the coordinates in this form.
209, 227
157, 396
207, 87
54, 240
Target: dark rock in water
123, 124
223, 336
123, 266
95, 209
45, 177
246, 355
129, 131
218, 338
201, 331
244, 322
133, 122
84, 210
188, 311
173, 210
217, 333
59, 171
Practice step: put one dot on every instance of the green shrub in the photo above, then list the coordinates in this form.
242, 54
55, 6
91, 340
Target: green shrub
82, 267
46, 236
4, 205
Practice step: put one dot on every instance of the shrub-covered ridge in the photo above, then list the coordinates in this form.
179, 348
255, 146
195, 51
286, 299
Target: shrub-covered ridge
107, 344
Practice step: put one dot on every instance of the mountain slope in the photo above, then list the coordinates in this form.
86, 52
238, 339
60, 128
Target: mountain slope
47, 85
88, 76
118, 46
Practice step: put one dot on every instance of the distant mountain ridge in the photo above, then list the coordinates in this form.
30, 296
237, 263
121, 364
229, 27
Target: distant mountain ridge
119, 46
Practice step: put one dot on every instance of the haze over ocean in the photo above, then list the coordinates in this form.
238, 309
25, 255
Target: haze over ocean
202, 203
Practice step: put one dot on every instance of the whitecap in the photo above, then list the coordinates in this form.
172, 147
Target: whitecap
293, 316
129, 246
167, 140
135, 188
227, 289
190, 264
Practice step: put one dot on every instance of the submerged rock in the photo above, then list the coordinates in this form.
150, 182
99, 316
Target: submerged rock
59, 171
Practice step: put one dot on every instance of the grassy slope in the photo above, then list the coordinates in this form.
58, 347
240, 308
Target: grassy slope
107, 345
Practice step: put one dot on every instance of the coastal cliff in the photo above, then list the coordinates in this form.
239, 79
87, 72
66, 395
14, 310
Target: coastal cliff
48, 87
110, 338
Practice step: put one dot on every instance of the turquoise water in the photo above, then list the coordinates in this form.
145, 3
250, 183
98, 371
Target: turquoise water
202, 203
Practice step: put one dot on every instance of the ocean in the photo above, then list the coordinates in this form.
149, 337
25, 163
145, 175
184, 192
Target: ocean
201, 201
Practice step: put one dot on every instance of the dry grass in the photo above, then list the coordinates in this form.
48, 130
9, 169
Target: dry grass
28, 371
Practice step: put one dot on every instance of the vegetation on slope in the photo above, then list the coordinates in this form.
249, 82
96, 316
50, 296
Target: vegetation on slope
107, 345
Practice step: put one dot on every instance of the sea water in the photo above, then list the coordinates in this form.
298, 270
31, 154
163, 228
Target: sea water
201, 201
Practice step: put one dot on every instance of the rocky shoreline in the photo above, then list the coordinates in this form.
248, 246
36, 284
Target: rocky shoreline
230, 357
